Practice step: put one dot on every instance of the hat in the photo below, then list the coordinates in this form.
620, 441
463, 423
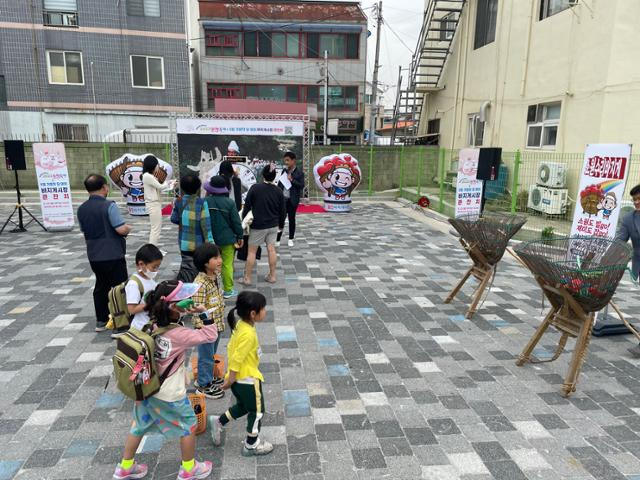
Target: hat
217, 185
182, 292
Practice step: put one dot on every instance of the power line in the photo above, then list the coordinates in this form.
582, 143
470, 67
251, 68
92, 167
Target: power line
398, 37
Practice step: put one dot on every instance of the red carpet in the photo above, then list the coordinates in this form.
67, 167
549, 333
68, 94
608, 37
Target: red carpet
310, 209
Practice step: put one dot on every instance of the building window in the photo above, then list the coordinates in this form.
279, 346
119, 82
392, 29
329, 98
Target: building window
476, 130
448, 27
486, 18
542, 125
66, 132
143, 8
285, 45
551, 7
61, 13
222, 44
337, 45
65, 68
147, 72
340, 98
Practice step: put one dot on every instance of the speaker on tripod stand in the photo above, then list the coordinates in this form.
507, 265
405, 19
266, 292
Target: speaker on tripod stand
15, 160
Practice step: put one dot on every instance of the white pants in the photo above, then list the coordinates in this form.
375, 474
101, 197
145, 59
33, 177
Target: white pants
154, 209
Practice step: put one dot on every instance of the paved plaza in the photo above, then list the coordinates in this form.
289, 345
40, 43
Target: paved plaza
368, 375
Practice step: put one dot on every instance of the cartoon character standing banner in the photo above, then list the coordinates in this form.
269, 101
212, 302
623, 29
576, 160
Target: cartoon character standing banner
53, 182
602, 183
126, 174
468, 188
338, 175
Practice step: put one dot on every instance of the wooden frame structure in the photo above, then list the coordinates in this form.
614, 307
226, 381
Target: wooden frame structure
481, 269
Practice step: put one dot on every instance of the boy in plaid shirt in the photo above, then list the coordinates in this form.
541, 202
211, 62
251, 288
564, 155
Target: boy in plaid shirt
208, 261
192, 216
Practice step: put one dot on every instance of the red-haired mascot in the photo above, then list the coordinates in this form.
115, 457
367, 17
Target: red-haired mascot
338, 175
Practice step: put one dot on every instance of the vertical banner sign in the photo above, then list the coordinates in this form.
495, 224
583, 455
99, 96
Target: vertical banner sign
53, 182
602, 182
468, 188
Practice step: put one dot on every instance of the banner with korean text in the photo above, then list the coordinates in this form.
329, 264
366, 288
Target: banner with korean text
53, 183
468, 188
602, 186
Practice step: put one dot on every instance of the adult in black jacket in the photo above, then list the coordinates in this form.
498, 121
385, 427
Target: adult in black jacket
234, 184
292, 194
266, 202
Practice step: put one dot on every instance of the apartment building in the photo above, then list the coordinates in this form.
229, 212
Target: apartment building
547, 75
274, 50
74, 70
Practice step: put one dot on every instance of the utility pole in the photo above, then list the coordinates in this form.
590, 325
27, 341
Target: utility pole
374, 86
396, 107
326, 97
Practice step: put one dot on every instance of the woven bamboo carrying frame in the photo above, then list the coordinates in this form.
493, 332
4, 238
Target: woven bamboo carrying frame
578, 276
484, 238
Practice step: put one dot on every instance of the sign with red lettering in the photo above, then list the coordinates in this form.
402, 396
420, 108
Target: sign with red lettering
53, 182
468, 188
601, 190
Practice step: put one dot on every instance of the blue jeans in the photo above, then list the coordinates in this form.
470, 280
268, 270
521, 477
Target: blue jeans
205, 362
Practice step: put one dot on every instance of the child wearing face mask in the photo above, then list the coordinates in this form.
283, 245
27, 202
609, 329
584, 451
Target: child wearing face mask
148, 261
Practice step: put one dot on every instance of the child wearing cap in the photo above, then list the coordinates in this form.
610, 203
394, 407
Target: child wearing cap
169, 411
226, 227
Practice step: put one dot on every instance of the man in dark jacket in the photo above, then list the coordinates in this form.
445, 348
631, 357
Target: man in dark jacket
629, 229
292, 194
267, 204
104, 231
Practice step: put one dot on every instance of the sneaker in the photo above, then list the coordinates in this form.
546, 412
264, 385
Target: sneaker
290, 242
119, 332
137, 470
232, 293
201, 470
101, 327
210, 391
217, 381
215, 429
261, 447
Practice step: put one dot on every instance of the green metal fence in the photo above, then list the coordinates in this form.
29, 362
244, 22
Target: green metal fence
414, 171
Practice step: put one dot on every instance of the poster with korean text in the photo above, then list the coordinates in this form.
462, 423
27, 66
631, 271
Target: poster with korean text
468, 188
602, 186
53, 183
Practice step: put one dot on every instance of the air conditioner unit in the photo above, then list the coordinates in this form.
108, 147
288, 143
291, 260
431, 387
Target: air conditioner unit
551, 201
551, 174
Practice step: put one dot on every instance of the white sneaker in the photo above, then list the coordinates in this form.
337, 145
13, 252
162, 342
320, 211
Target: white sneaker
290, 243
261, 447
215, 429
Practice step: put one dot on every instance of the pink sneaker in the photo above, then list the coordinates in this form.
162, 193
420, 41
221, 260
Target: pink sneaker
201, 470
137, 470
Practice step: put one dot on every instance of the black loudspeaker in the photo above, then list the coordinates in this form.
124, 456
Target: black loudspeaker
489, 163
14, 155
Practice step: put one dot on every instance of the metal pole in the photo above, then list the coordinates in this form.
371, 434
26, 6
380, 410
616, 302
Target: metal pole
514, 183
326, 97
370, 190
420, 167
396, 107
401, 169
441, 168
374, 86
95, 112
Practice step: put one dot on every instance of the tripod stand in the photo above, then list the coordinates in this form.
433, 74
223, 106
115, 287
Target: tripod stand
20, 226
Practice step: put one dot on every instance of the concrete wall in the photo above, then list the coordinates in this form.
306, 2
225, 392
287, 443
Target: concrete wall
82, 159
583, 57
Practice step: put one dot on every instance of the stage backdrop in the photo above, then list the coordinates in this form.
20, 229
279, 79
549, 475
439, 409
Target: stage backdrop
602, 184
53, 182
203, 143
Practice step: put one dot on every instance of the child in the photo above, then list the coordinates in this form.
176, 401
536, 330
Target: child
169, 411
208, 261
227, 228
192, 216
243, 377
148, 261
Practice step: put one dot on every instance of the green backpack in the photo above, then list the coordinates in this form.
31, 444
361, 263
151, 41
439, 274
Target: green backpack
119, 316
134, 364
